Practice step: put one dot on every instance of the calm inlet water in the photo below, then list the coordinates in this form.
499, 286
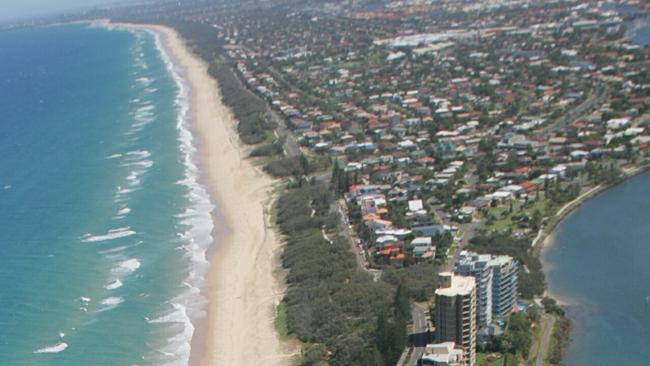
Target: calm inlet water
599, 263
104, 222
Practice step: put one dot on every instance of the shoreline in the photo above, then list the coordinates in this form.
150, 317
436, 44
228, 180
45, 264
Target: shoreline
573, 307
243, 290
546, 234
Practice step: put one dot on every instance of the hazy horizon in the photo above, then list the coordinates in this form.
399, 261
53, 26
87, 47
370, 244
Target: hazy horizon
26, 9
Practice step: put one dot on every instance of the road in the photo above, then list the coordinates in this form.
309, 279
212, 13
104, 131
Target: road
420, 333
291, 148
355, 245
468, 230
549, 322
573, 114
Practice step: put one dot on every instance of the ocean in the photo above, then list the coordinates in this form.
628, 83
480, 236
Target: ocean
598, 262
105, 221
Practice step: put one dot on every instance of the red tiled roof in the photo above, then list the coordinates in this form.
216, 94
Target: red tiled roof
527, 185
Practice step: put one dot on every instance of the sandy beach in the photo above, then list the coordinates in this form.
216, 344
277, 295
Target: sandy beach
243, 289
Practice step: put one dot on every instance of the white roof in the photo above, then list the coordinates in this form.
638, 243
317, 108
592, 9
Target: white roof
457, 163
443, 353
617, 122
467, 210
406, 143
501, 194
460, 285
385, 238
633, 131
500, 260
548, 176
396, 232
422, 240
513, 188
415, 205
558, 169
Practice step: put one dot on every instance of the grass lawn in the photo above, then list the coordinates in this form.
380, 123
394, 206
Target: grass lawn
481, 359
507, 223
552, 345
537, 337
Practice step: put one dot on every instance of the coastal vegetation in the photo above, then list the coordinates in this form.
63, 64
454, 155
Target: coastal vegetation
421, 280
288, 166
337, 310
560, 336
247, 108
271, 149
516, 343
559, 340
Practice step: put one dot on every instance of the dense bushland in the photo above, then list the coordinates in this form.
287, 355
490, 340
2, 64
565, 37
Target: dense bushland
331, 303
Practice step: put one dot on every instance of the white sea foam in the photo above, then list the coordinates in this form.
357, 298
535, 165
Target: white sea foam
124, 211
121, 190
143, 115
177, 315
113, 300
196, 221
146, 108
144, 112
126, 267
114, 250
144, 81
133, 178
137, 155
110, 235
142, 163
110, 303
59, 347
179, 345
141, 119
139, 125
114, 156
113, 285
191, 303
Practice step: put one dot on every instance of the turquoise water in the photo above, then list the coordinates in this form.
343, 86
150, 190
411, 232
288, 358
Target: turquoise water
104, 223
599, 262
